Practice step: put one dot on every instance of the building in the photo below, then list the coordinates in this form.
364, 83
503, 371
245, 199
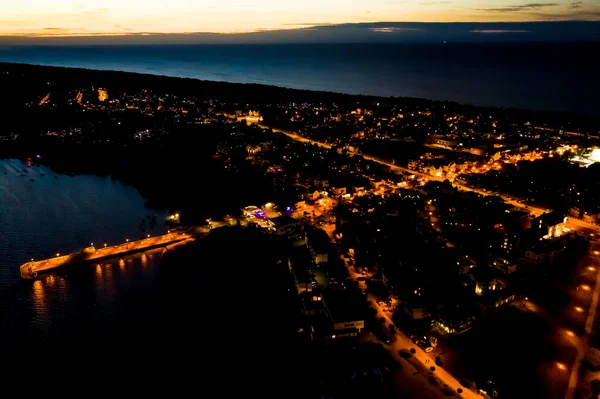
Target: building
312, 304
343, 309
416, 307
505, 266
483, 280
544, 253
492, 301
452, 321
319, 246
588, 214
444, 141
298, 264
550, 225
286, 226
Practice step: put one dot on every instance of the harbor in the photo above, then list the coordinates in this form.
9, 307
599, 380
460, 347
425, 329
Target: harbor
94, 253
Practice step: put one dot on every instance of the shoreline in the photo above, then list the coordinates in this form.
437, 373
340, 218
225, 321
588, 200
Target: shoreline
296, 92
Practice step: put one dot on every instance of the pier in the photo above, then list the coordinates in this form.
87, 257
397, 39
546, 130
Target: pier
31, 269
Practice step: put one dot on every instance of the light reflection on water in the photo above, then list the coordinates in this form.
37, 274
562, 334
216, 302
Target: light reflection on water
42, 213
71, 298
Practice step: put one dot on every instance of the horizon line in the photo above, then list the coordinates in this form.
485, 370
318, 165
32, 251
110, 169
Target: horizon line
298, 28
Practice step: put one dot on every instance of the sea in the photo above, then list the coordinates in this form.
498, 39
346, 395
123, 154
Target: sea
134, 325
537, 76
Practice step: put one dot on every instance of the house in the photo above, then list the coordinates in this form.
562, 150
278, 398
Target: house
416, 307
312, 303
321, 184
319, 246
546, 252
338, 191
465, 264
286, 226
492, 301
343, 308
483, 280
550, 225
298, 264
505, 266
586, 213
453, 320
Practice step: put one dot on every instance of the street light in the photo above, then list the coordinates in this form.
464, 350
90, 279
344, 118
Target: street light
579, 309
57, 254
570, 333
105, 245
561, 366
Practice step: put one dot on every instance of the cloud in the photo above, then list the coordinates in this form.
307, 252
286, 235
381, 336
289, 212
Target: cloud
522, 7
576, 4
391, 29
499, 31
310, 24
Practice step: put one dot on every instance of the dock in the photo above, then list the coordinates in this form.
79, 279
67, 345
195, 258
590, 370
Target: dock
30, 270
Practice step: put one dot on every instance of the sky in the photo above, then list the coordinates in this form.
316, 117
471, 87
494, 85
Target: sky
60, 18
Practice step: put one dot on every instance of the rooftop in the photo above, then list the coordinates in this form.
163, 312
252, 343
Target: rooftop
300, 260
319, 241
342, 305
283, 220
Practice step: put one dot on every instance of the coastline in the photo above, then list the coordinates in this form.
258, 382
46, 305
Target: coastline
259, 91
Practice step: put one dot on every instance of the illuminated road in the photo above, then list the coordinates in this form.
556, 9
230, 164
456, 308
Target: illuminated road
536, 210
402, 342
101, 251
589, 325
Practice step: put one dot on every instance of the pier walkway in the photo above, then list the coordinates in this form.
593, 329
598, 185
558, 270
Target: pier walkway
30, 270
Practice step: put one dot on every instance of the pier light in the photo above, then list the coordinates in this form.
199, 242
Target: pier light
92, 244
32, 259
57, 254
127, 239
148, 235
104, 245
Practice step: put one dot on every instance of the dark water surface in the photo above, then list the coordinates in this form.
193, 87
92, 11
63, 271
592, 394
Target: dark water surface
550, 76
41, 215
212, 319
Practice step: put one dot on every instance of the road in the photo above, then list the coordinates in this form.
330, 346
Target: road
589, 323
100, 251
573, 224
402, 342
